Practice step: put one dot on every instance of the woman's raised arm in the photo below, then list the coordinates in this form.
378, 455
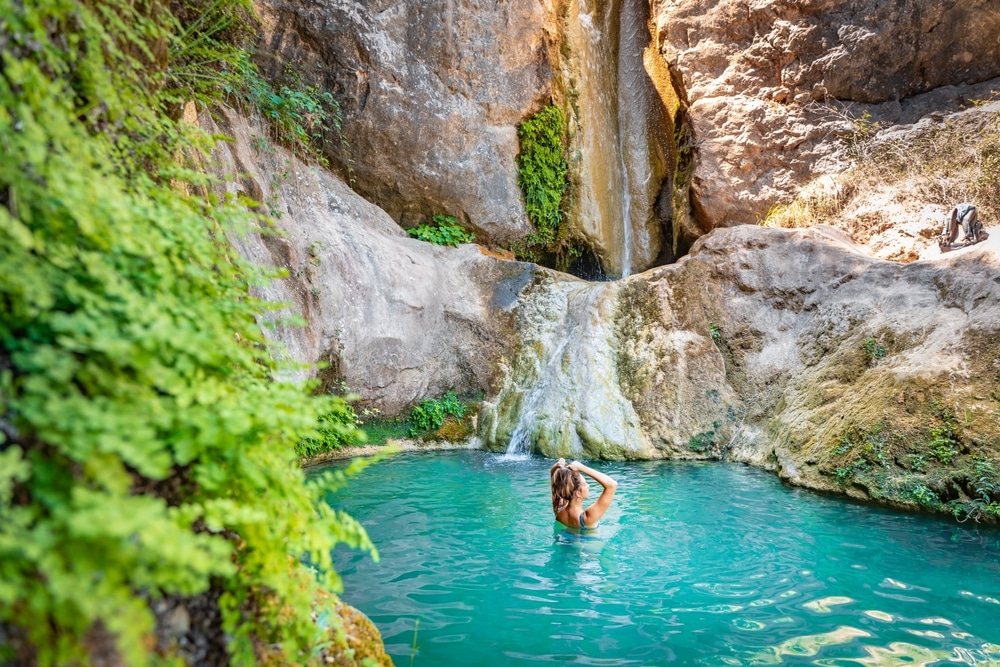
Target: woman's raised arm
594, 513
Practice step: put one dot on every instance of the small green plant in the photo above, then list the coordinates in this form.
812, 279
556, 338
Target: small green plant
714, 331
430, 414
874, 350
444, 231
925, 497
298, 115
702, 441
986, 484
337, 429
918, 462
864, 451
314, 250
943, 443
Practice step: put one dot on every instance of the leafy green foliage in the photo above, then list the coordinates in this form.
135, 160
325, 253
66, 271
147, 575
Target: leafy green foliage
986, 488
943, 442
144, 448
541, 172
298, 115
444, 231
862, 450
338, 428
702, 441
430, 414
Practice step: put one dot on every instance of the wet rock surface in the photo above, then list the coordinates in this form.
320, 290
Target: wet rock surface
792, 350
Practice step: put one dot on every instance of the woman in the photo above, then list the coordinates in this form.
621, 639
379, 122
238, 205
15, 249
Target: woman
570, 489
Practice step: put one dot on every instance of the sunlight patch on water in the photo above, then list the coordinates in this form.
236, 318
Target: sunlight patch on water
925, 633
936, 621
879, 615
981, 598
808, 645
823, 605
897, 653
746, 624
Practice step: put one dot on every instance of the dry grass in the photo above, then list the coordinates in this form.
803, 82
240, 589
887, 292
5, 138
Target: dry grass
905, 181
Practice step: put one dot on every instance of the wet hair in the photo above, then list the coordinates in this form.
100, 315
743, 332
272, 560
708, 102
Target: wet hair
565, 483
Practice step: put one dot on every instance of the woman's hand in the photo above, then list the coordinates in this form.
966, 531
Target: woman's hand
576, 466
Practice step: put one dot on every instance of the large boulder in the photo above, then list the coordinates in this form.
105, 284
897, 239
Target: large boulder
771, 87
789, 349
388, 317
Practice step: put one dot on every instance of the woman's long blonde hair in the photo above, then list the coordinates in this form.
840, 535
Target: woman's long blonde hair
565, 484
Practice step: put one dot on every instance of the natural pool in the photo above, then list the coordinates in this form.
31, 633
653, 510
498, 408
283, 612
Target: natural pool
711, 564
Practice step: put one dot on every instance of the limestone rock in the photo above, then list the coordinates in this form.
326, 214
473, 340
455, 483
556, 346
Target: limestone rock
771, 85
768, 346
431, 95
394, 319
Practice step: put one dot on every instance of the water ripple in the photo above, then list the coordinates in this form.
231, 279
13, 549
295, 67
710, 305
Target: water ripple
694, 564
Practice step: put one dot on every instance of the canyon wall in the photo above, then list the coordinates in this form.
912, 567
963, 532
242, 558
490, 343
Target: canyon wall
772, 87
431, 94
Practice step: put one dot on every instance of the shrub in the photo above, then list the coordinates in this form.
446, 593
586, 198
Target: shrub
444, 231
874, 350
338, 428
144, 449
298, 115
430, 414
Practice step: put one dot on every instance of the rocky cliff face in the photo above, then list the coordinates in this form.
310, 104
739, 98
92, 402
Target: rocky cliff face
393, 319
431, 94
771, 86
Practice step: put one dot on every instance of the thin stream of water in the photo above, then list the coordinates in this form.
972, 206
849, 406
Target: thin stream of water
694, 564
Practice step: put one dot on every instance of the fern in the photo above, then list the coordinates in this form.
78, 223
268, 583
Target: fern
144, 448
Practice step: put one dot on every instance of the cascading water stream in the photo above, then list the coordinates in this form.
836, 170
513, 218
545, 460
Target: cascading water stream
623, 133
520, 439
564, 395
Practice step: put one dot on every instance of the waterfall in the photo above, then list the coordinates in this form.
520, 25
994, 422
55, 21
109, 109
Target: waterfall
562, 396
520, 440
621, 137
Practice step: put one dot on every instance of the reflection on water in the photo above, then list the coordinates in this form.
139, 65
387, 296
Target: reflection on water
694, 564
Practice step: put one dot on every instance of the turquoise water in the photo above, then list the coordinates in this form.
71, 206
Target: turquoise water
712, 564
